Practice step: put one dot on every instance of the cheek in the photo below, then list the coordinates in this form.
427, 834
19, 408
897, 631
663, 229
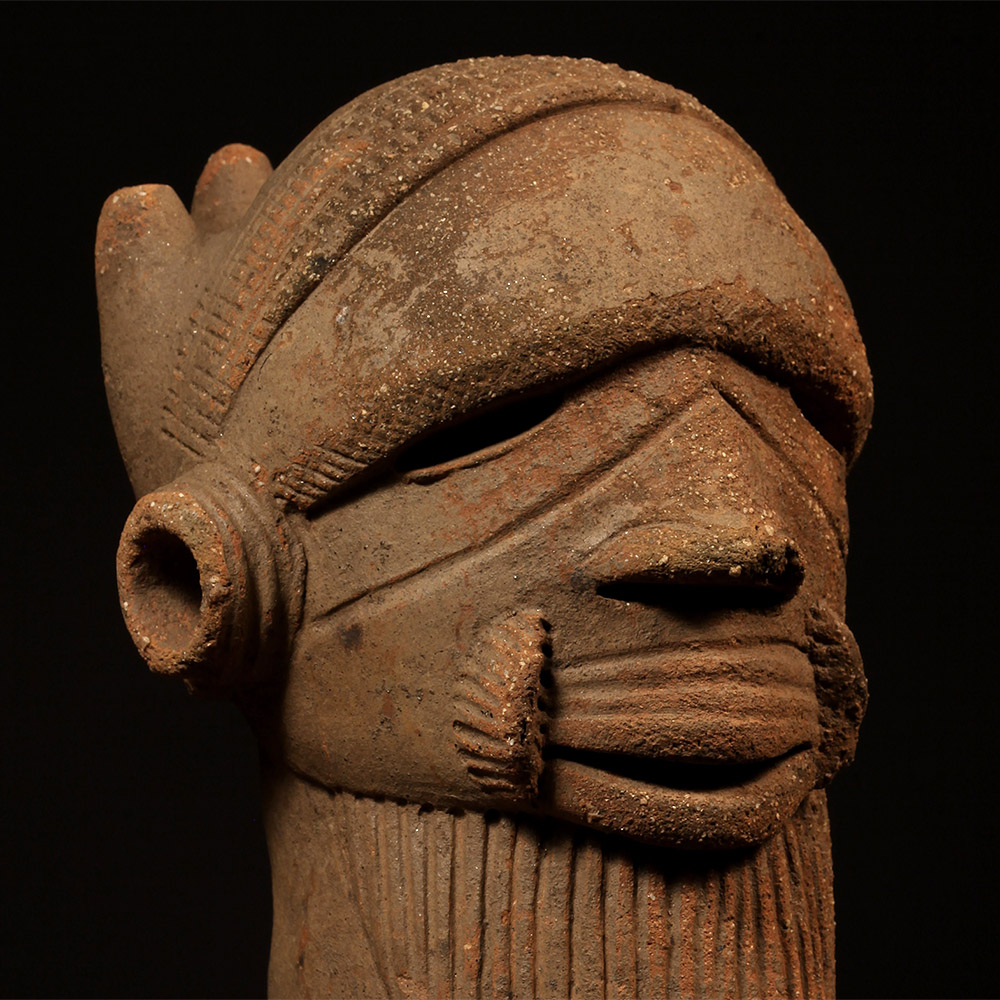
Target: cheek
791, 505
818, 544
369, 702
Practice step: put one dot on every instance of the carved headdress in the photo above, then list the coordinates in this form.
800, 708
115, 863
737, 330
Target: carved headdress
245, 287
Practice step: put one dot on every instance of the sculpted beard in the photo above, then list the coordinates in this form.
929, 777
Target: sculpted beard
431, 902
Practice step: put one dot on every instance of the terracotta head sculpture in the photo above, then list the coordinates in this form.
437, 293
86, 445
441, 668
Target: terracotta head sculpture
491, 455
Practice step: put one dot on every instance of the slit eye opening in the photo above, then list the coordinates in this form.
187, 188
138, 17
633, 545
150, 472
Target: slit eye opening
472, 440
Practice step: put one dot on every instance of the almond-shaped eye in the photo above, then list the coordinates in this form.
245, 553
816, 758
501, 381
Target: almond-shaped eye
478, 438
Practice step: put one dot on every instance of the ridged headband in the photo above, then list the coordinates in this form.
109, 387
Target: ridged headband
346, 176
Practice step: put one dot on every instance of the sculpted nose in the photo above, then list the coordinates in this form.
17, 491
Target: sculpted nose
699, 566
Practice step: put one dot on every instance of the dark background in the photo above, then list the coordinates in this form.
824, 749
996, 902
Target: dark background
135, 863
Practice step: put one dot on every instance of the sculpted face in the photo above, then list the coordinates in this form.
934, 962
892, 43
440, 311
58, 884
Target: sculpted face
608, 614
560, 448
596, 595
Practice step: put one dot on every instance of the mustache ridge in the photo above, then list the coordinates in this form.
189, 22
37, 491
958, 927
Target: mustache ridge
502, 721
503, 701
841, 689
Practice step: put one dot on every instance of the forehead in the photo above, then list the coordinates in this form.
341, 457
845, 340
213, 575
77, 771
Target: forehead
549, 252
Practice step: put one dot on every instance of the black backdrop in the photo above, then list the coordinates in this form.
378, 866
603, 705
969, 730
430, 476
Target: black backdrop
135, 864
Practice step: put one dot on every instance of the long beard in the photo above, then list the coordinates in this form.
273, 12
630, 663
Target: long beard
380, 899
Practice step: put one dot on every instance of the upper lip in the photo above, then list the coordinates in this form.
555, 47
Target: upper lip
735, 705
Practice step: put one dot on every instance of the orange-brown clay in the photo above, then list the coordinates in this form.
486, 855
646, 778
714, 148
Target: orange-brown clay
491, 453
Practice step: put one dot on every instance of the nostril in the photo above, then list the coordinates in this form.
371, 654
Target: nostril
166, 587
691, 598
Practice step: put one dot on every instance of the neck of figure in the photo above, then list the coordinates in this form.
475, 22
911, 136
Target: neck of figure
380, 899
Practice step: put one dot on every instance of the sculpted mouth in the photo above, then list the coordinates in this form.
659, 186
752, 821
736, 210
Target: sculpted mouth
686, 748
705, 747
682, 775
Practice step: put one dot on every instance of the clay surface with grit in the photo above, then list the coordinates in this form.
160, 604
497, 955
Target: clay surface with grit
491, 455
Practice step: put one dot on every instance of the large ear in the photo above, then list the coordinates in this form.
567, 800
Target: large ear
151, 256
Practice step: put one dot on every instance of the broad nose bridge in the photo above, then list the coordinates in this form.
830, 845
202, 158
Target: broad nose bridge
699, 511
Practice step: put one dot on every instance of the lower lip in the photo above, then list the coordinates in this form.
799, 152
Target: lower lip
720, 817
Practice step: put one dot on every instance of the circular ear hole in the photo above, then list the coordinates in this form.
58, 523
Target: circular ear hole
165, 592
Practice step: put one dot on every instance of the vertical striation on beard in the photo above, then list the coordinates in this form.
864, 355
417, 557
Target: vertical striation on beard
377, 898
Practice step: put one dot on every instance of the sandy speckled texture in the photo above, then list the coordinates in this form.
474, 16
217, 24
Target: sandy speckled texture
491, 454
